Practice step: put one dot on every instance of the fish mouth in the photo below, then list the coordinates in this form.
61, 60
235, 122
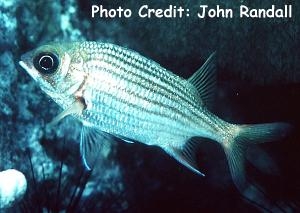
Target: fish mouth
25, 61
26, 64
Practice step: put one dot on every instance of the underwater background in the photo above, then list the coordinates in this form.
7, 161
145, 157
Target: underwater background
258, 82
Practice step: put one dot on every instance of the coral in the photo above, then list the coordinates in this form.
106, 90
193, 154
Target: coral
13, 186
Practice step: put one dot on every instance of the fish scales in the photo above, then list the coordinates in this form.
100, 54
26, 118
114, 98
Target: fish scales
145, 79
114, 90
150, 69
140, 116
167, 104
131, 117
152, 89
133, 110
137, 96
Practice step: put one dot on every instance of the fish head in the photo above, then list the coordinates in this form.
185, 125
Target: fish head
57, 69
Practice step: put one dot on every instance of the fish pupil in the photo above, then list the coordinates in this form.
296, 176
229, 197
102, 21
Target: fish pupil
46, 63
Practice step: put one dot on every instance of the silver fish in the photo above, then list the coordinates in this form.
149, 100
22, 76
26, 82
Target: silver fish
116, 92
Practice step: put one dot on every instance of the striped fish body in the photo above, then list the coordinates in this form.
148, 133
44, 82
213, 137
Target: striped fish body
129, 95
116, 92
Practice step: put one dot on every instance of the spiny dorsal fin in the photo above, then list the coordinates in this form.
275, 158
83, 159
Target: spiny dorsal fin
204, 80
187, 155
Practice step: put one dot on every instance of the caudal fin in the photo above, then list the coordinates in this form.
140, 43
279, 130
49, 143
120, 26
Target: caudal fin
236, 145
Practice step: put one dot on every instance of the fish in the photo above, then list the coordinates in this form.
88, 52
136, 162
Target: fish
118, 94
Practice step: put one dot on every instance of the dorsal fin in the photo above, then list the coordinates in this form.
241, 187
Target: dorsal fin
204, 80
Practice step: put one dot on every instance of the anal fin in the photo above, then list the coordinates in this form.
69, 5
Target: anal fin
187, 155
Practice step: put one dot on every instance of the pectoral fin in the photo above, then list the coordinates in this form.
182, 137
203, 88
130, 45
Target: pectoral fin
76, 108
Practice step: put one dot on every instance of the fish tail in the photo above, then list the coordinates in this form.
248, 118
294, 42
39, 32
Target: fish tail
235, 148
244, 135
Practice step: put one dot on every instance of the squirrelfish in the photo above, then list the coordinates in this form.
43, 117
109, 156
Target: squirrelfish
116, 92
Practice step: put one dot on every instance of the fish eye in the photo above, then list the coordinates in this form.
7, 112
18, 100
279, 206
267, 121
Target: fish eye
46, 62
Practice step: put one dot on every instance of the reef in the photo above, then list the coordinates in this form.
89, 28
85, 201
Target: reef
258, 75
13, 186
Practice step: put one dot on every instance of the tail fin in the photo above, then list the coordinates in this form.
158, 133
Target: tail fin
236, 145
